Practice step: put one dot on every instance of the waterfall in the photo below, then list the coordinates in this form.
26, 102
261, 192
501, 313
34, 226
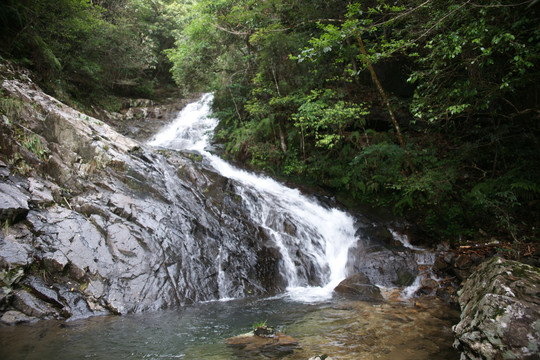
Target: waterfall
313, 240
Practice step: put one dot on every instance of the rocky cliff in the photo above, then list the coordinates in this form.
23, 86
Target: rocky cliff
94, 222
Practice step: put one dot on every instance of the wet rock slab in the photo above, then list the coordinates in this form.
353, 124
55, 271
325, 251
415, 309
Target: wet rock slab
13, 203
13, 253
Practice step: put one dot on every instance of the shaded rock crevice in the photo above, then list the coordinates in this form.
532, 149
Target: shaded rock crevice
382, 259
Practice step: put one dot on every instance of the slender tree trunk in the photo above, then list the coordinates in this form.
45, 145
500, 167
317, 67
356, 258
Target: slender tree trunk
235, 105
303, 142
282, 140
275, 80
386, 101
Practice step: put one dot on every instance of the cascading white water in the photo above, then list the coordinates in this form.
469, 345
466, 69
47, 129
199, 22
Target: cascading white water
423, 258
290, 219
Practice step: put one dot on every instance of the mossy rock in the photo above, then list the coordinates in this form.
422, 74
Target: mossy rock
500, 305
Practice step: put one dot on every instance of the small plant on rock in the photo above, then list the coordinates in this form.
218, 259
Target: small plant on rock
262, 329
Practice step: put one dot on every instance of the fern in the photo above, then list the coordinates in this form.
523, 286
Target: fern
405, 202
525, 189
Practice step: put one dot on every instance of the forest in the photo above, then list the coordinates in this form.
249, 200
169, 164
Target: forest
429, 109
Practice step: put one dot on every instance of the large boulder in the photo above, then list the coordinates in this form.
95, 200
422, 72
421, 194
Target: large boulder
359, 287
385, 261
500, 316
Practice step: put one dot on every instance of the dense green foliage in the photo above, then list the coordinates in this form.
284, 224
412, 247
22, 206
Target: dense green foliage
428, 108
87, 50
294, 98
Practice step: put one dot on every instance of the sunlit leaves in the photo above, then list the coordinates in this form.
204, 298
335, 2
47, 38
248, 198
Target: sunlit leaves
476, 56
325, 118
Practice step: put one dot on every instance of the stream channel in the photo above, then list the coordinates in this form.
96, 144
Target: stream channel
402, 327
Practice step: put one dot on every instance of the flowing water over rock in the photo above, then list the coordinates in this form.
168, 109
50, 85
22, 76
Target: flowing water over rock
111, 225
312, 241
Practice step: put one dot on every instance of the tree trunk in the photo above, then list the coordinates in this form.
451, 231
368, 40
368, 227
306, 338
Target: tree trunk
386, 101
282, 140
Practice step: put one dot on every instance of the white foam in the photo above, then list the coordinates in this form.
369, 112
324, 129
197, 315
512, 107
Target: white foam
324, 235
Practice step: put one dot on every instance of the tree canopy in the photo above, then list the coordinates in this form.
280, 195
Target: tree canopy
429, 108
87, 49
460, 79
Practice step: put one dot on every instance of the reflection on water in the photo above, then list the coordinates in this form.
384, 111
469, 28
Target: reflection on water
342, 329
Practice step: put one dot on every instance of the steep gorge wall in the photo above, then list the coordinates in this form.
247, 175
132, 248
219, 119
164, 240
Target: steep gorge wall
100, 223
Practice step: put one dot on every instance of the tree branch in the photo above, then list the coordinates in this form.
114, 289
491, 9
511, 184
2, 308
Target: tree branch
440, 21
401, 15
234, 32
231, 31
501, 5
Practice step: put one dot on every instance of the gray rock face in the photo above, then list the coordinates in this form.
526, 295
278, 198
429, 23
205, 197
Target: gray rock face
500, 312
13, 204
133, 245
383, 263
13, 253
113, 226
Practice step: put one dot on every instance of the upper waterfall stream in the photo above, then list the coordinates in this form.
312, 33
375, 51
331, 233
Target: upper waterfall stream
292, 220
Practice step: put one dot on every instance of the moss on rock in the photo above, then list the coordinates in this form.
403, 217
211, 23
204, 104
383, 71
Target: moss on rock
500, 306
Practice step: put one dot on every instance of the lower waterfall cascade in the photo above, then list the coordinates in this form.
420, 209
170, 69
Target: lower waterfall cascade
313, 240
289, 218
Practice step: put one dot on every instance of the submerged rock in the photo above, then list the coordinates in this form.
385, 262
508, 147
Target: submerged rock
500, 316
250, 345
359, 287
13, 317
